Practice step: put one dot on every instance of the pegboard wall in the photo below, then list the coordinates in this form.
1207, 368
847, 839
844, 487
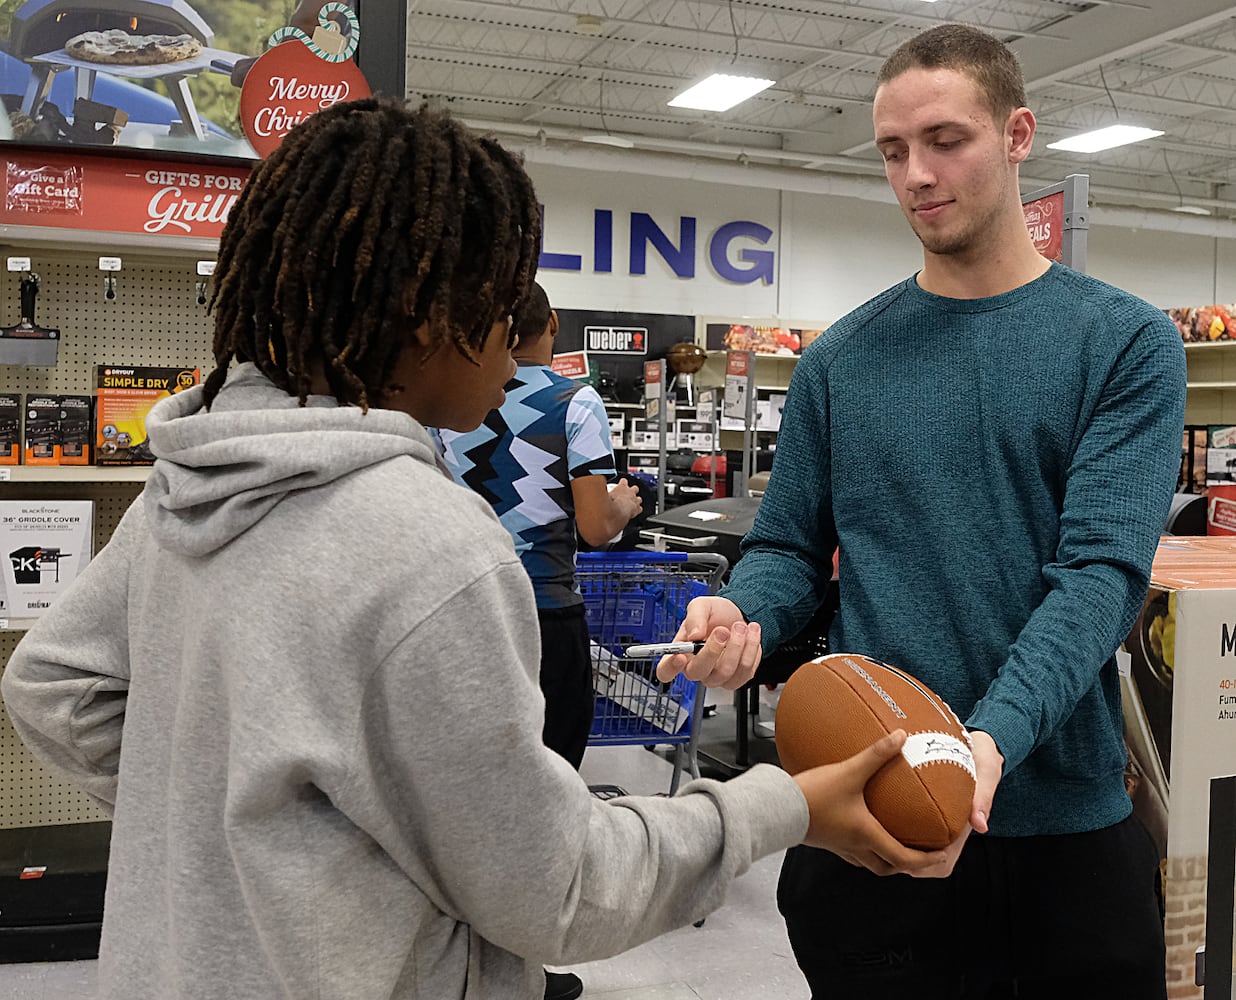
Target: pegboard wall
30, 795
154, 319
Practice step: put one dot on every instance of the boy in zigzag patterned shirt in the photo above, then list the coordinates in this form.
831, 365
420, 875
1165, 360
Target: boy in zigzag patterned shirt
542, 461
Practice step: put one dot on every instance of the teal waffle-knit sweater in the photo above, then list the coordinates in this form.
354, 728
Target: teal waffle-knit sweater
997, 472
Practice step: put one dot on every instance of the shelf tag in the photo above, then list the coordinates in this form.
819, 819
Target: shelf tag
205, 268
19, 263
109, 263
4, 475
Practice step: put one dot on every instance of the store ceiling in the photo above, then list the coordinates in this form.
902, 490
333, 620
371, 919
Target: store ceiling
551, 72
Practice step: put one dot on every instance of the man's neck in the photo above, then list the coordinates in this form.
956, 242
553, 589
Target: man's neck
992, 267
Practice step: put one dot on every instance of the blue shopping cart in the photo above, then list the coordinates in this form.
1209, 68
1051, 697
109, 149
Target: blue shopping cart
641, 597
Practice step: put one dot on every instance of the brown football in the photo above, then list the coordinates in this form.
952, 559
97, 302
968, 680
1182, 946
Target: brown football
835, 706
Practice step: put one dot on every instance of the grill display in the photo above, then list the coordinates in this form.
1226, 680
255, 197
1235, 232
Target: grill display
179, 45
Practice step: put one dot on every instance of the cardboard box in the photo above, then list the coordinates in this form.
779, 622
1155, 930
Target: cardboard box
10, 429
694, 434
644, 465
75, 429
44, 545
645, 435
1179, 697
42, 430
125, 395
635, 694
617, 430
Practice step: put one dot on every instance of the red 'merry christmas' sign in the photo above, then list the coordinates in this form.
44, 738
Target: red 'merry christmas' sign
300, 75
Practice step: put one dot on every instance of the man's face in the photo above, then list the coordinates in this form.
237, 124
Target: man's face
946, 158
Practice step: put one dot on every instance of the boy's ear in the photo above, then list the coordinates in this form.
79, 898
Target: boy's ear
421, 335
553, 324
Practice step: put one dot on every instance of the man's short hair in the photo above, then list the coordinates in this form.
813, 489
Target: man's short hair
986, 60
533, 315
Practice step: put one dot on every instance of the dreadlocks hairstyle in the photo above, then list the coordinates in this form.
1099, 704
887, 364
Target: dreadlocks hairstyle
984, 59
532, 317
368, 221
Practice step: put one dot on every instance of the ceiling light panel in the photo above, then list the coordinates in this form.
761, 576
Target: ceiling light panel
1104, 138
720, 92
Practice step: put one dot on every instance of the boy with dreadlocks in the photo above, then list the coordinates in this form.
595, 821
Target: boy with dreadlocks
279, 676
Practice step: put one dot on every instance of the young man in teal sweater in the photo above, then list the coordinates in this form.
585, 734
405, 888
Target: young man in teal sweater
993, 445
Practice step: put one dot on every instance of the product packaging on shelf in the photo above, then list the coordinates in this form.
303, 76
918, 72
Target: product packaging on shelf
694, 434
1179, 698
42, 432
617, 430
10, 429
75, 431
45, 545
125, 395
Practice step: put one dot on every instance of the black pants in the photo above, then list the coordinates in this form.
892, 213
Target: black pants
566, 681
1049, 918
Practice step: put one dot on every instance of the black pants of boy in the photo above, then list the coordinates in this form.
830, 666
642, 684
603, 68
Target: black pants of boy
1031, 918
566, 681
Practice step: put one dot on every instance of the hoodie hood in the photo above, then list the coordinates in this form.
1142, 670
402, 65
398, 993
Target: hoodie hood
218, 472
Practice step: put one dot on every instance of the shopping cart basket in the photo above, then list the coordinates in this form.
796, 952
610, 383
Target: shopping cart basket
641, 597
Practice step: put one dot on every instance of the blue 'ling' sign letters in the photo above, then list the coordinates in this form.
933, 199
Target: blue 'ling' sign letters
758, 265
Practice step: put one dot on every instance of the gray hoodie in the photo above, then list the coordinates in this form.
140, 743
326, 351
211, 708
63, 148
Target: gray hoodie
302, 678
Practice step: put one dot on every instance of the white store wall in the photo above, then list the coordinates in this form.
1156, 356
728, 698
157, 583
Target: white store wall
832, 252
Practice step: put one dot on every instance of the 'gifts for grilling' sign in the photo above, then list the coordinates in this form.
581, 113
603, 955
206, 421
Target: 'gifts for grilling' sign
113, 194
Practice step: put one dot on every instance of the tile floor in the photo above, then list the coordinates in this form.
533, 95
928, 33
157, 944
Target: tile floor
741, 952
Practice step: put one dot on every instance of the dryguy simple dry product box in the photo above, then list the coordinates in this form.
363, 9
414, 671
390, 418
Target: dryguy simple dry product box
1179, 695
125, 394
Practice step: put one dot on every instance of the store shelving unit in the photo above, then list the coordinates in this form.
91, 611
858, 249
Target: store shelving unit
73, 474
1211, 382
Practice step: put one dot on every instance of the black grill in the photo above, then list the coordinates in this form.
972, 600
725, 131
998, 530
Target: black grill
41, 26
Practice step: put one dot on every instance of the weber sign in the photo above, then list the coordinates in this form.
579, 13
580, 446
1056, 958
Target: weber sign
616, 340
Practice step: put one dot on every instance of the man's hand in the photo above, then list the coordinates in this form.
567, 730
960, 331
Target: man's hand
988, 768
842, 823
732, 650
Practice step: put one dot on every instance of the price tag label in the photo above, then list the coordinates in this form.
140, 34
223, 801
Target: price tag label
109, 263
19, 263
4, 475
206, 268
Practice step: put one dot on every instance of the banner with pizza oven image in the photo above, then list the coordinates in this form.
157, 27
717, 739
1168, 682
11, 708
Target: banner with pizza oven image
169, 74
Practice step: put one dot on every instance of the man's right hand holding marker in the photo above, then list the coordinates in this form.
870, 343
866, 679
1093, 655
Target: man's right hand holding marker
731, 651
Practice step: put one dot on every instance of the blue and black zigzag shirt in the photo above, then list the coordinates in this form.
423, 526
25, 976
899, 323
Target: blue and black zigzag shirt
522, 459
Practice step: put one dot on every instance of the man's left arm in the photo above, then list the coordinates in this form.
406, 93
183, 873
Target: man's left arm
1117, 495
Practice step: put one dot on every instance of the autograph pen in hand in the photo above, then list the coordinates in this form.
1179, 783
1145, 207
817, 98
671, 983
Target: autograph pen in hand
661, 649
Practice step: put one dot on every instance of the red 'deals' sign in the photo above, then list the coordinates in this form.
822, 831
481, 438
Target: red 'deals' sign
1045, 222
118, 194
573, 364
287, 85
